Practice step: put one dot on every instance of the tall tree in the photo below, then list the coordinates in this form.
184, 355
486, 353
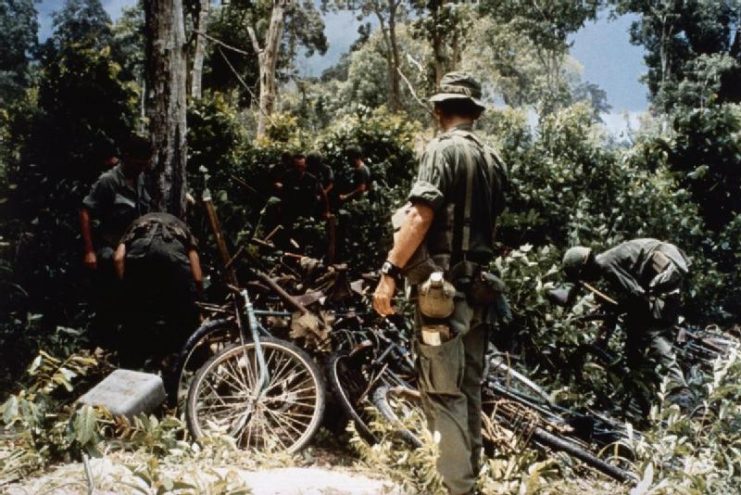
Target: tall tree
84, 22
268, 59
677, 34
200, 26
389, 14
166, 86
542, 28
19, 25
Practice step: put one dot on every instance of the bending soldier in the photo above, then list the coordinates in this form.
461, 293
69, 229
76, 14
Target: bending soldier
453, 208
646, 275
157, 260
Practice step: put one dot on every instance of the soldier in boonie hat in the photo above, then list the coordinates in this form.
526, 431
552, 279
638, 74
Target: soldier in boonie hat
459, 86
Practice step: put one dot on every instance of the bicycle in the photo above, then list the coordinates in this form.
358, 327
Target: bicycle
380, 375
264, 392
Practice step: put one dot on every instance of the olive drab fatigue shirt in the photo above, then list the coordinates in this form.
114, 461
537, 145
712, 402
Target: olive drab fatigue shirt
162, 235
114, 204
633, 267
441, 184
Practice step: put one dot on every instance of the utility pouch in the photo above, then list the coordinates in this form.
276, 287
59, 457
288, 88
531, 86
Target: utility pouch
488, 290
464, 273
420, 266
485, 289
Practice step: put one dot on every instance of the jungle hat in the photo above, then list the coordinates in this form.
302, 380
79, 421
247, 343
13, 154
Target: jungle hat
459, 86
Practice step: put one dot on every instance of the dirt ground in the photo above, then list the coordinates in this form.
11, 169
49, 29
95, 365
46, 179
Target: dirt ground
113, 476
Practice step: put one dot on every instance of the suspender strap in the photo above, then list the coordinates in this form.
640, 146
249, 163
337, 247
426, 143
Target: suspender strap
466, 237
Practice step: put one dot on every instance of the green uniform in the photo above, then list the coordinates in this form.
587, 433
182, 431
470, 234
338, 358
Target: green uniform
450, 374
647, 275
301, 196
114, 204
158, 284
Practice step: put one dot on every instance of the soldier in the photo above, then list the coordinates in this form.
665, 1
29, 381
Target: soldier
116, 199
646, 275
302, 193
454, 204
321, 171
157, 259
361, 176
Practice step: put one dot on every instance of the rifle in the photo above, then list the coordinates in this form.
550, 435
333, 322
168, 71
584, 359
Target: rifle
213, 220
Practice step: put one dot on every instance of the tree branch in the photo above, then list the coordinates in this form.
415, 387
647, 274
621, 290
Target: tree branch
219, 42
253, 38
414, 93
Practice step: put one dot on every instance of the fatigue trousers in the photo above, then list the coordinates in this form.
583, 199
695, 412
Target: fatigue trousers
654, 344
450, 384
649, 335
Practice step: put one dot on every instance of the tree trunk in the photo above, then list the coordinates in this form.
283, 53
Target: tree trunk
268, 58
438, 50
395, 81
166, 82
196, 73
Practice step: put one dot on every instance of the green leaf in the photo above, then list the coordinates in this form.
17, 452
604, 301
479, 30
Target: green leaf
86, 425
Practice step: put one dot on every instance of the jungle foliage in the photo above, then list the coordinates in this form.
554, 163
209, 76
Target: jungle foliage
66, 103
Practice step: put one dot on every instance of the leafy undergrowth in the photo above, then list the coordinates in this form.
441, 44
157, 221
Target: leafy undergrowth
678, 454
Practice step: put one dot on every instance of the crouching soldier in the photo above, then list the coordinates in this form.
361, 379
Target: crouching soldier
161, 273
646, 276
444, 240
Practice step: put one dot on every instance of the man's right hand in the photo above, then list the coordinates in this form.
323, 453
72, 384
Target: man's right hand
90, 260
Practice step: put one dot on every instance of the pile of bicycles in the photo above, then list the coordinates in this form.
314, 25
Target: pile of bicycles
265, 368
298, 343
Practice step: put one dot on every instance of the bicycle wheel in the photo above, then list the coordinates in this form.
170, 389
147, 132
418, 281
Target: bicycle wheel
208, 340
400, 406
225, 397
528, 425
351, 388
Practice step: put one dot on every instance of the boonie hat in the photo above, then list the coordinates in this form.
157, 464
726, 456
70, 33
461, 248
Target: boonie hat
459, 86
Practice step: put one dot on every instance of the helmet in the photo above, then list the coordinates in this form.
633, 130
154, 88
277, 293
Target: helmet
574, 260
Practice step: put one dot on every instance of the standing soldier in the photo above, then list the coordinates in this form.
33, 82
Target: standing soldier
646, 276
454, 205
361, 176
303, 195
116, 199
321, 171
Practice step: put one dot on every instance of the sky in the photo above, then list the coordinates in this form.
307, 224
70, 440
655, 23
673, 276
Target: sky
602, 47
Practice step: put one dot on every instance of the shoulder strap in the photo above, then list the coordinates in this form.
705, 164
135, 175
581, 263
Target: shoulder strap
466, 237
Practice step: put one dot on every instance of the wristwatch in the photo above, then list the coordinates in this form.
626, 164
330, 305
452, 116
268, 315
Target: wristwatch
391, 270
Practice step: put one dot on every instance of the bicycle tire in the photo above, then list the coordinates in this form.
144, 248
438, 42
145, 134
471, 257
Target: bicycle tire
548, 439
396, 404
208, 340
520, 418
221, 397
351, 388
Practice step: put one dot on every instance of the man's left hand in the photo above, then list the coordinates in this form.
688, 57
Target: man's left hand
383, 295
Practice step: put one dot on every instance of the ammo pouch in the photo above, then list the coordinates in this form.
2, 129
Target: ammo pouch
482, 288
